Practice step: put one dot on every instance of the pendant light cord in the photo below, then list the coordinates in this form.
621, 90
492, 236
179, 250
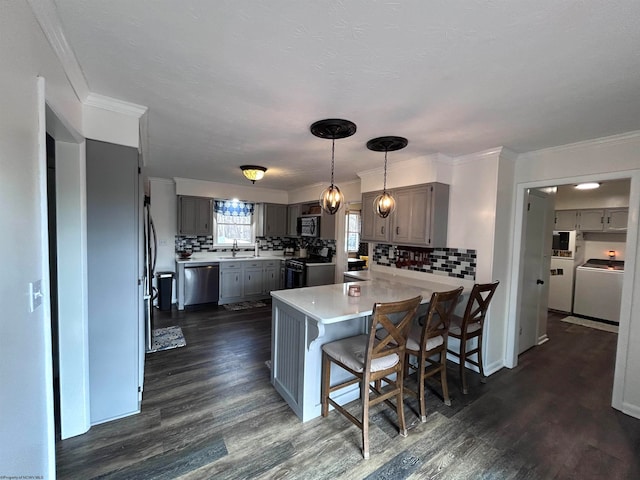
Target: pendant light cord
384, 187
333, 151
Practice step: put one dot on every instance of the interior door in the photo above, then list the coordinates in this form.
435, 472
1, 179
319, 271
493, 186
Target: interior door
536, 264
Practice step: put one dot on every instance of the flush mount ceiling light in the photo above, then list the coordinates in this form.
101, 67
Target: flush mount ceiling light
253, 172
332, 198
385, 204
587, 186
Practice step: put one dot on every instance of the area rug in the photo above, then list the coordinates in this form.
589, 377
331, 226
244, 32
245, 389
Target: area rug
591, 324
245, 305
166, 339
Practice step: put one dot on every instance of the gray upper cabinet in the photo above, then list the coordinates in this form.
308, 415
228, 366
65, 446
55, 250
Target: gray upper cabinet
374, 228
566, 220
293, 212
328, 225
591, 220
420, 217
195, 216
274, 220
616, 219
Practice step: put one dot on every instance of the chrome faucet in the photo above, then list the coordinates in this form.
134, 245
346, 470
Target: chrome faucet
235, 248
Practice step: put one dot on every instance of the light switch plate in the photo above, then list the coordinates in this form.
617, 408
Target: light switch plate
35, 295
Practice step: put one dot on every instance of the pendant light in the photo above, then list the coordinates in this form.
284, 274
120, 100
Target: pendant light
385, 204
332, 198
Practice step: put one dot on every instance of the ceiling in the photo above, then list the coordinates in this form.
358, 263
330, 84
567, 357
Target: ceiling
239, 82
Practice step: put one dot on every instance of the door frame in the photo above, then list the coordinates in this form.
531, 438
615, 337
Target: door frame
515, 295
72, 272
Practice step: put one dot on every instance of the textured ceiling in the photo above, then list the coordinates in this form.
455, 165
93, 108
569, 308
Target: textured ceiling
239, 82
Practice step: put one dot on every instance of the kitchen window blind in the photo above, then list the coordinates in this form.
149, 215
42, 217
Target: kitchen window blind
233, 208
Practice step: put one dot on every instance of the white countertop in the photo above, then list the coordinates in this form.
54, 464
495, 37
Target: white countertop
331, 303
360, 275
203, 258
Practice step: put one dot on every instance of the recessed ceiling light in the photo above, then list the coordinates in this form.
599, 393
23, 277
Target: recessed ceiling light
587, 186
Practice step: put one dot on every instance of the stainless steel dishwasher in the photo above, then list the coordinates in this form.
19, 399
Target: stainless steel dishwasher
201, 284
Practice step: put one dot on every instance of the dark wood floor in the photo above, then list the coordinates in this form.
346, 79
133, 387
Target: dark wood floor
209, 411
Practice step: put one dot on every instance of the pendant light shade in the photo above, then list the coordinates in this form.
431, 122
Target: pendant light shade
332, 198
253, 172
384, 204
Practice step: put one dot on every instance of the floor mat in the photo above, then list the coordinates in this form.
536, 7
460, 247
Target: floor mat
591, 324
166, 339
245, 305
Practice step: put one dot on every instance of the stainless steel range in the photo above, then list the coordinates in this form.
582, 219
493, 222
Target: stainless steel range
309, 271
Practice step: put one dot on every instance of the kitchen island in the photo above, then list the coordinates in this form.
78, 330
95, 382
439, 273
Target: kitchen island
304, 319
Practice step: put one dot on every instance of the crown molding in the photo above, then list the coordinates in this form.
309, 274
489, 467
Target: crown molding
490, 153
612, 139
115, 105
47, 16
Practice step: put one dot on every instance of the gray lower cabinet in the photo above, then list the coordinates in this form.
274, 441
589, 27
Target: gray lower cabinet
248, 280
271, 277
231, 283
253, 280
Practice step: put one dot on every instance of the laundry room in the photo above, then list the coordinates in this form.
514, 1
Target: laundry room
588, 250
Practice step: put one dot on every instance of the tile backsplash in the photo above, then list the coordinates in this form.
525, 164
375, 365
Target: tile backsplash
451, 262
205, 243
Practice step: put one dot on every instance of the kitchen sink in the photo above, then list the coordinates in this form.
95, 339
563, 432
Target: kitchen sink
243, 256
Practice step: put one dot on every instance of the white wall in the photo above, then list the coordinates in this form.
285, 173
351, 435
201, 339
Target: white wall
26, 436
611, 194
164, 210
427, 169
609, 158
71, 220
598, 245
250, 193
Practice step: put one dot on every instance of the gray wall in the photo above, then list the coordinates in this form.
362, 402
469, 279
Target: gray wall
112, 250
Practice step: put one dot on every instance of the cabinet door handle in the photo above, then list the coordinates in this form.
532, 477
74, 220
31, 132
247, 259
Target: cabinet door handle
382, 230
397, 230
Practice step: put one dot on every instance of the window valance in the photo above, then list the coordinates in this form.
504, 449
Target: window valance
234, 208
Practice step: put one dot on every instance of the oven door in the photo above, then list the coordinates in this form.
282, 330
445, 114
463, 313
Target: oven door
294, 277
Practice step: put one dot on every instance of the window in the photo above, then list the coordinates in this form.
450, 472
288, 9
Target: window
230, 228
353, 231
233, 221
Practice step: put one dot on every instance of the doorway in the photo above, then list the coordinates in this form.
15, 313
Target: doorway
68, 274
53, 278
623, 372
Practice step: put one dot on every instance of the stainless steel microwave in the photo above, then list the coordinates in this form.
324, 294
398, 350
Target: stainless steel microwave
309, 226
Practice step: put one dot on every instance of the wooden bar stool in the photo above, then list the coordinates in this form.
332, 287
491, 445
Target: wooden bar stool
470, 326
370, 360
428, 340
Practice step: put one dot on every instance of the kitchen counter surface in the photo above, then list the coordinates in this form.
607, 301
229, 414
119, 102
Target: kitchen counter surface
358, 275
204, 258
331, 303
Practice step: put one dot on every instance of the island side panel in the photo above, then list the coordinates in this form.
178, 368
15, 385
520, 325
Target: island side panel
296, 357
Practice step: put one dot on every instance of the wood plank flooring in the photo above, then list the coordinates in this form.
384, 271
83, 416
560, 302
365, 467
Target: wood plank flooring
209, 411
